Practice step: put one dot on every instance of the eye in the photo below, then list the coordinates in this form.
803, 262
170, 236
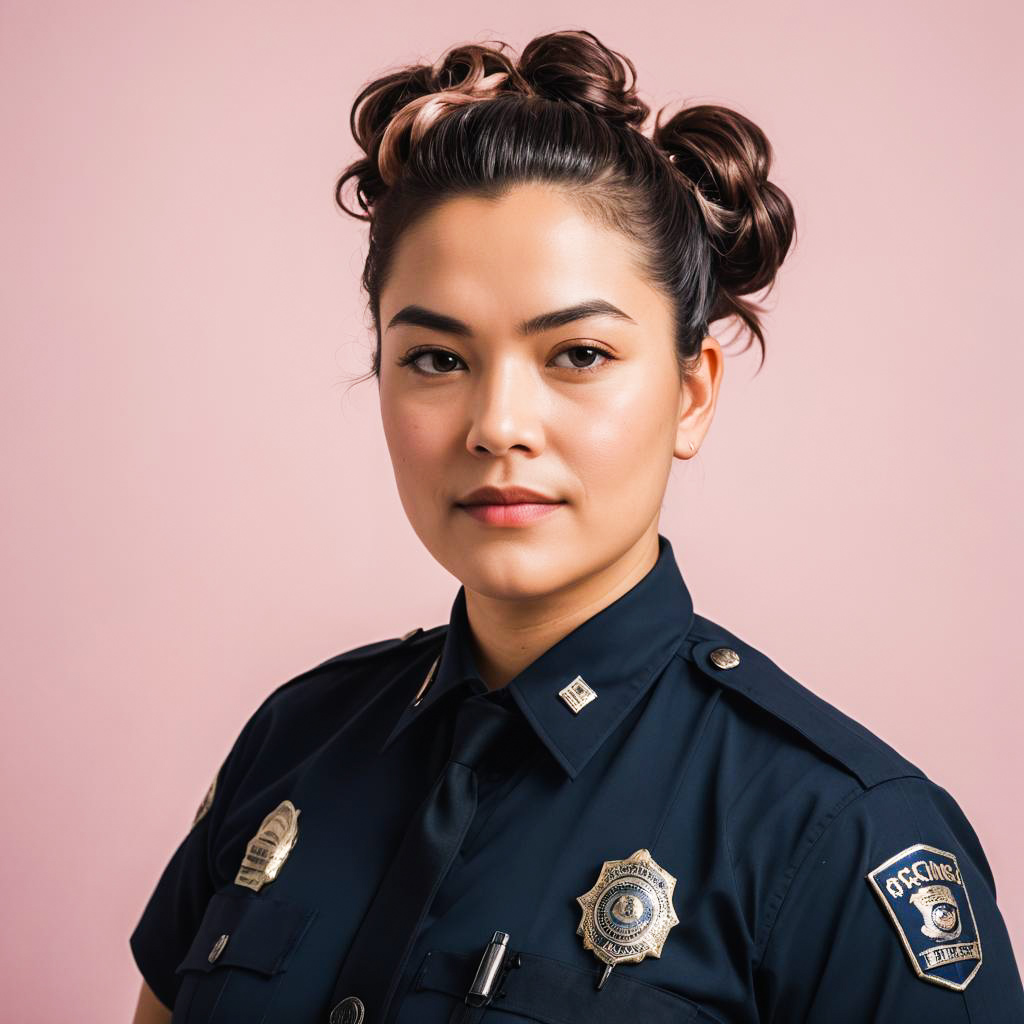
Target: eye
593, 349
413, 358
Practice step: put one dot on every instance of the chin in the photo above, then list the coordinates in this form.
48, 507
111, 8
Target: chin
513, 566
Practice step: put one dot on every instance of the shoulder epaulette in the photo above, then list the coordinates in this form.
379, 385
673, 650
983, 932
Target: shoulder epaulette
366, 652
734, 664
413, 638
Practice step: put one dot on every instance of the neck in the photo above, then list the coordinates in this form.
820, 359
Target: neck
509, 635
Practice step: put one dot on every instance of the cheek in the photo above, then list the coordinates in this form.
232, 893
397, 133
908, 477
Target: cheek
415, 434
620, 434
418, 438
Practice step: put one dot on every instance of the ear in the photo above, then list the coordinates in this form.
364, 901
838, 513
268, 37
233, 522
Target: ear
698, 394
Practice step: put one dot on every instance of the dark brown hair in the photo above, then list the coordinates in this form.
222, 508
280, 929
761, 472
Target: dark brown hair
694, 198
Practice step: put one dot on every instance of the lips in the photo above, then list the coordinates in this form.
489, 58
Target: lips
506, 496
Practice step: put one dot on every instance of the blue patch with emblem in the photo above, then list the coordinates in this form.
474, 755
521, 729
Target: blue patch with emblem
924, 893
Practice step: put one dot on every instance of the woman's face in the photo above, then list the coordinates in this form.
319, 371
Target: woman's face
589, 412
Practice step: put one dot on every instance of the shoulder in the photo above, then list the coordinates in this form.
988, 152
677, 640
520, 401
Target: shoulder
822, 805
316, 705
345, 677
787, 707
410, 642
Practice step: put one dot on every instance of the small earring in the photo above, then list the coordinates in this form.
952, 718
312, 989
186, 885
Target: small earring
692, 449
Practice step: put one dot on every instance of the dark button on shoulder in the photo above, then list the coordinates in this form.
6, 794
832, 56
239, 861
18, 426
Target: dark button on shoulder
717, 653
724, 657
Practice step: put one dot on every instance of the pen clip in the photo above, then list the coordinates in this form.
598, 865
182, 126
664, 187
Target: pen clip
489, 972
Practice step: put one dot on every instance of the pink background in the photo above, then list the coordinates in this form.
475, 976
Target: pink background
198, 508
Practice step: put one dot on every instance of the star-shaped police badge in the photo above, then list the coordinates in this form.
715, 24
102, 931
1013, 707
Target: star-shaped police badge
628, 913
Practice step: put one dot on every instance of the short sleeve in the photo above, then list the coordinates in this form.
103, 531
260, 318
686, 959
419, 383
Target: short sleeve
891, 917
175, 909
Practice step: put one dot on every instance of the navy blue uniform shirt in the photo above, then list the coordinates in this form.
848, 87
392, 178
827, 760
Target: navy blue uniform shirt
820, 876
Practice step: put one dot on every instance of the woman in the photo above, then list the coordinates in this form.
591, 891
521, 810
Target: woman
578, 800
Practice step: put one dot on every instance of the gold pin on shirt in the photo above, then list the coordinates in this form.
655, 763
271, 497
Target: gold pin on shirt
628, 913
269, 848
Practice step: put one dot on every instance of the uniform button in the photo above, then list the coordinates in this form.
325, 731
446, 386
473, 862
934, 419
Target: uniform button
349, 1011
218, 948
724, 657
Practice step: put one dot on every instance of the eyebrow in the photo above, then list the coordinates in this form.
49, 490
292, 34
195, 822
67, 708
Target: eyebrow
419, 316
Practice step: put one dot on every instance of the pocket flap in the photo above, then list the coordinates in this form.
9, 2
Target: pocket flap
549, 990
261, 933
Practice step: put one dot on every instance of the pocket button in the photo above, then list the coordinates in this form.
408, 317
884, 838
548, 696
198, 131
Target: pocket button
349, 1011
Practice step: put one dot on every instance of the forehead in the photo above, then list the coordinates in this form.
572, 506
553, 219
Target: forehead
528, 251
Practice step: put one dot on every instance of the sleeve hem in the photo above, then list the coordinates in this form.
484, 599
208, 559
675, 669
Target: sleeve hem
151, 973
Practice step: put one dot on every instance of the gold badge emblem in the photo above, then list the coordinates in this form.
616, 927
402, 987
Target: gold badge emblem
206, 804
939, 910
269, 848
628, 913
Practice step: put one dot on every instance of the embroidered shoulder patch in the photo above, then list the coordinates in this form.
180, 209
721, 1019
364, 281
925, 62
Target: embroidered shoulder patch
924, 893
206, 804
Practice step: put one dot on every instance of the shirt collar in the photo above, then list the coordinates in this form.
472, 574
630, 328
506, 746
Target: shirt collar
618, 652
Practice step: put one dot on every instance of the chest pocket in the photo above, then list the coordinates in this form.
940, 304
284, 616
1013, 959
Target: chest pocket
231, 978
550, 991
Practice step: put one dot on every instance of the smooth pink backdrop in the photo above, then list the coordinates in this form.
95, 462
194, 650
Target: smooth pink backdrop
197, 508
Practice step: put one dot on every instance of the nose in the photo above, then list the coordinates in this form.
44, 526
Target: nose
505, 409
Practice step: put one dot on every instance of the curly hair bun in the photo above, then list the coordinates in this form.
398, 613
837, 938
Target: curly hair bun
578, 68
726, 158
